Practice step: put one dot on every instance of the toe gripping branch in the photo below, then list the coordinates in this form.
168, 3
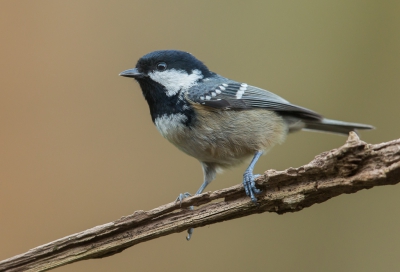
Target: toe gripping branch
180, 198
248, 183
249, 179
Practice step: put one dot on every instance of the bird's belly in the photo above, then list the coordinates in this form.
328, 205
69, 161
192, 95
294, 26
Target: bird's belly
225, 138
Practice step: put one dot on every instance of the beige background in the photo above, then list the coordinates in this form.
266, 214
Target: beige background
78, 148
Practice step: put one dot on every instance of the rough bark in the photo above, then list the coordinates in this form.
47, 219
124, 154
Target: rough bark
348, 169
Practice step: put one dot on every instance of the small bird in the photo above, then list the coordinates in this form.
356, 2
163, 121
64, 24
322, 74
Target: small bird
219, 121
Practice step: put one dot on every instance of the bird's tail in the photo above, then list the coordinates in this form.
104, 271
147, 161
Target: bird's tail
333, 126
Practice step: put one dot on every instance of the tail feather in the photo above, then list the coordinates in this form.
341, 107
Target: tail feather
334, 126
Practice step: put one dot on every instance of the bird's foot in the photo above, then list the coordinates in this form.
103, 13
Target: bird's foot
250, 185
180, 198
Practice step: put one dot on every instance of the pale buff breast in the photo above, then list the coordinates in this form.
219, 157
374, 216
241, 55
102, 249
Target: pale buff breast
224, 137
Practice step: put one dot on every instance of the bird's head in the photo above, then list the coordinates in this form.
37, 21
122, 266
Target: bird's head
174, 70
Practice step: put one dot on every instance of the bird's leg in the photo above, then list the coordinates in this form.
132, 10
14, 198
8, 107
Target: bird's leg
209, 171
248, 178
199, 191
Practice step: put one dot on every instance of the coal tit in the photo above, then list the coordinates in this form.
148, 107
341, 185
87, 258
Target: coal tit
219, 121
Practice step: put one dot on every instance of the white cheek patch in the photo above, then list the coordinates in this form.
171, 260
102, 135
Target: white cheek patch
175, 80
168, 125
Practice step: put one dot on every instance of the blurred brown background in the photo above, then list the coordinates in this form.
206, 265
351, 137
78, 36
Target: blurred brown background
78, 148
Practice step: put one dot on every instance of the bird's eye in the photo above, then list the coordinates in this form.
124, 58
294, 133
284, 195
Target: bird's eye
161, 66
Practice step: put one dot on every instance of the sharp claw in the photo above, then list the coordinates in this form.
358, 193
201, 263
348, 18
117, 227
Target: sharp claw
190, 232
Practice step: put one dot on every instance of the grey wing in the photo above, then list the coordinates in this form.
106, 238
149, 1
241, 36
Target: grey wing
232, 95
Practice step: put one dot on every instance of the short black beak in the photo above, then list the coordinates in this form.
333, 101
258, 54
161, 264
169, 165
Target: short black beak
132, 73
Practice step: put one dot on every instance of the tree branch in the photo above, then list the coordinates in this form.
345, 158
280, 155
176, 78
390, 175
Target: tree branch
348, 169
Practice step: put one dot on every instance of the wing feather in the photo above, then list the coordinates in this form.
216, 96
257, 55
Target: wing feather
232, 95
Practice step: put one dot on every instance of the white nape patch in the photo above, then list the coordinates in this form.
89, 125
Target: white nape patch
168, 125
175, 80
242, 89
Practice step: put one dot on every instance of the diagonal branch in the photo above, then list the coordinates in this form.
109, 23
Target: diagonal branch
348, 169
